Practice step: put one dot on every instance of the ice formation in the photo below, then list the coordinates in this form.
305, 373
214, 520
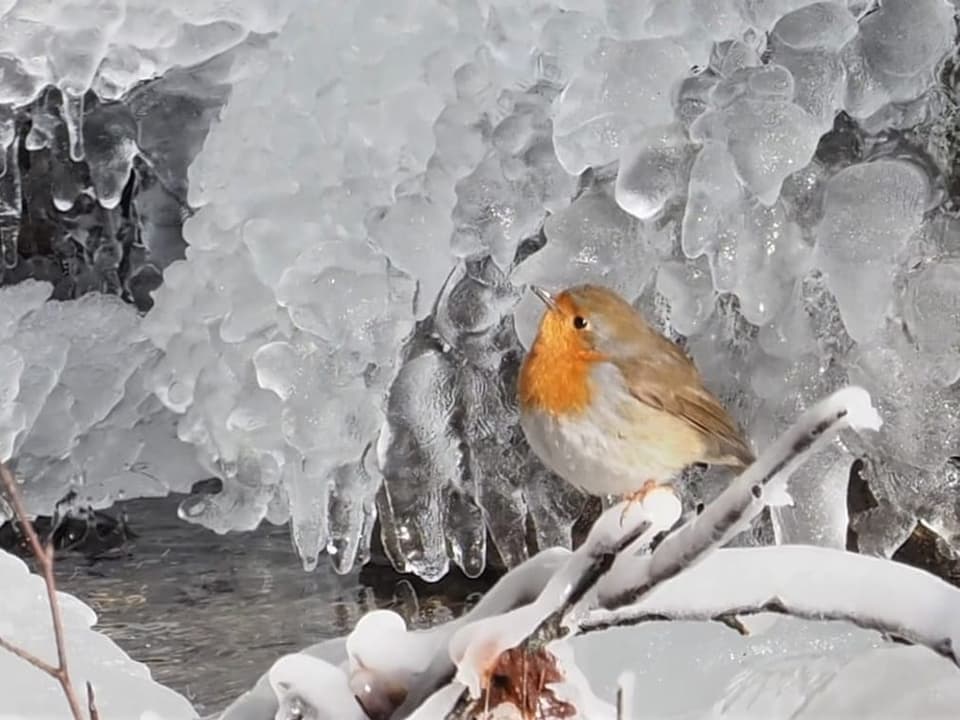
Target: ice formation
546, 611
76, 413
340, 340
123, 687
110, 47
93, 159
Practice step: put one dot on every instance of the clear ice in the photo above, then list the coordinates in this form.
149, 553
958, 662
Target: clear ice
339, 337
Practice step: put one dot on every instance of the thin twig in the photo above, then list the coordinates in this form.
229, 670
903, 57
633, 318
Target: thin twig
44, 560
32, 659
92, 703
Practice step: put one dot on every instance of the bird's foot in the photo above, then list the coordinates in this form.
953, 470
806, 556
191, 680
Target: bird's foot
637, 496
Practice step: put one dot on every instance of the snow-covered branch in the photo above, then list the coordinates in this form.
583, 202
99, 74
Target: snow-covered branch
423, 664
806, 582
518, 588
610, 565
513, 649
478, 646
763, 483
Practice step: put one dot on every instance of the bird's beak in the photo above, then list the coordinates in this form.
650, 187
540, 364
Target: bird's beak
544, 295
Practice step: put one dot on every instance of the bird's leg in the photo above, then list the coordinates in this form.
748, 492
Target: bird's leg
637, 496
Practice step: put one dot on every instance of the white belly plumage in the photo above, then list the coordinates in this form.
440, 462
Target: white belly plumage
613, 447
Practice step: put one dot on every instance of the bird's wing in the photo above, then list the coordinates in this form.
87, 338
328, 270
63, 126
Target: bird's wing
664, 378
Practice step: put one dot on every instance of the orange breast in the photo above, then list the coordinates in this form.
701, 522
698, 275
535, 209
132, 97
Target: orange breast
556, 384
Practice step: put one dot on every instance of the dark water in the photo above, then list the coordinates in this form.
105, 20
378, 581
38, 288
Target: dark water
209, 613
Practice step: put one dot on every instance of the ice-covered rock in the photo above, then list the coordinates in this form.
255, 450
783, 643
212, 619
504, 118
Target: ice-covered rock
932, 316
808, 42
767, 135
109, 48
818, 515
923, 418
421, 458
687, 287
753, 250
347, 254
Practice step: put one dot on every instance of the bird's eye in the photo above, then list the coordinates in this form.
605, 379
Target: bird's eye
579, 322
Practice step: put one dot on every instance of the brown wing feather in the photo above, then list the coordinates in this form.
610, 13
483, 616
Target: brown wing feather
664, 377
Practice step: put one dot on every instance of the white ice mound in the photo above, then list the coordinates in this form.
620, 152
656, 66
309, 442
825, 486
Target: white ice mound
75, 413
122, 686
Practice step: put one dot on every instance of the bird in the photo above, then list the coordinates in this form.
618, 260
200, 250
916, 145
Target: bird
614, 407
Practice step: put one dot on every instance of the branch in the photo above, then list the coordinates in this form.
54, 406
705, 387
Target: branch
582, 574
608, 568
520, 586
478, 647
30, 658
761, 484
92, 703
813, 583
503, 651
44, 559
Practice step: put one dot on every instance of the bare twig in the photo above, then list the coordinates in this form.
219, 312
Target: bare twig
92, 703
44, 560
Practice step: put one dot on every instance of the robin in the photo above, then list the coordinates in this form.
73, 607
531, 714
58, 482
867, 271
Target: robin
613, 406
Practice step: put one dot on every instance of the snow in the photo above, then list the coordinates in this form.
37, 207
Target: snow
666, 665
526, 581
123, 687
301, 680
794, 668
805, 581
475, 645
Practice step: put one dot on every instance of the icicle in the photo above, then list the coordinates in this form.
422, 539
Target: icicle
73, 118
